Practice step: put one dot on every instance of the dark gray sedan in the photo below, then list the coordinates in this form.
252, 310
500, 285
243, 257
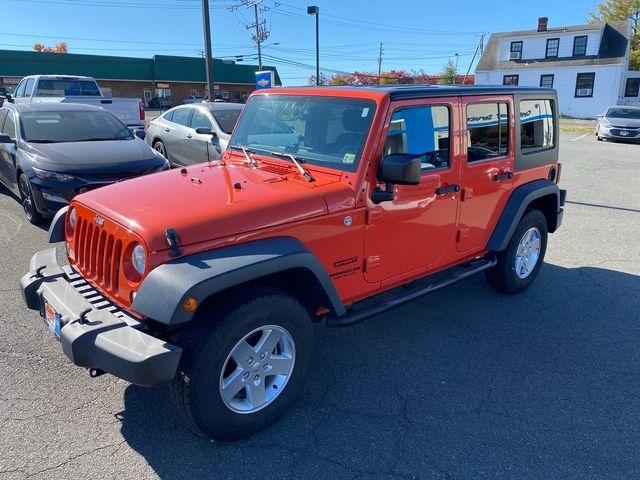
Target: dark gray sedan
619, 123
193, 133
49, 152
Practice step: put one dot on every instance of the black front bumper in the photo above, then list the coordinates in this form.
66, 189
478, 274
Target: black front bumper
95, 333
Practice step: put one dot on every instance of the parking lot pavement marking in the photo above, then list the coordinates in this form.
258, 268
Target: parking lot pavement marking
578, 138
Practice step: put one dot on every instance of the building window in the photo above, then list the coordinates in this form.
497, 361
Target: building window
516, 51
584, 84
580, 46
546, 81
487, 130
510, 80
536, 125
633, 87
552, 48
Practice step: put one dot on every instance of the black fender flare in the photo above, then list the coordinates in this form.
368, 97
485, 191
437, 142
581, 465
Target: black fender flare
56, 229
519, 200
198, 276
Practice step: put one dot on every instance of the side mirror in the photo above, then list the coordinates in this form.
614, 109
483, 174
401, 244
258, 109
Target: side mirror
10, 98
600, 115
4, 138
397, 169
140, 133
205, 131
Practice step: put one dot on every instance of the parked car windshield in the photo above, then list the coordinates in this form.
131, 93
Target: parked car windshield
226, 119
624, 113
72, 126
64, 88
326, 131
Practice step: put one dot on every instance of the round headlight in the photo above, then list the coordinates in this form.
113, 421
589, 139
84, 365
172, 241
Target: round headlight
72, 218
137, 258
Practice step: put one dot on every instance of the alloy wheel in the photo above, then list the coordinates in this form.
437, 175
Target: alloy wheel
528, 253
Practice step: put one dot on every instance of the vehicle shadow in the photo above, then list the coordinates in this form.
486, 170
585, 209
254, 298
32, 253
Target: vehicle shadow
44, 225
461, 383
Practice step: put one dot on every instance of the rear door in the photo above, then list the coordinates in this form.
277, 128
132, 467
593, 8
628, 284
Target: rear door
487, 167
411, 233
174, 135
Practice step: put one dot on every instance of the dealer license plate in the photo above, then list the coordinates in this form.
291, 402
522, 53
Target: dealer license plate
52, 318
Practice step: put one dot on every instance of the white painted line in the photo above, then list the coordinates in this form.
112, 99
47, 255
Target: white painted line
578, 138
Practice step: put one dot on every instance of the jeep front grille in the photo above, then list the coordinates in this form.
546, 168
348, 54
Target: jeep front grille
98, 254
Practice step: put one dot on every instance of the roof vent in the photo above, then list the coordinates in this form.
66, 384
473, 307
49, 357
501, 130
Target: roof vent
542, 24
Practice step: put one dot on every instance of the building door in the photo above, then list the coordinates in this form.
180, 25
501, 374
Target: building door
487, 167
147, 96
415, 230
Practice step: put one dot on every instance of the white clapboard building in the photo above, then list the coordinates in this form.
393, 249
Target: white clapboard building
588, 65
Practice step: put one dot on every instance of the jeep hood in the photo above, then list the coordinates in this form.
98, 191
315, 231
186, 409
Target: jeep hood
209, 202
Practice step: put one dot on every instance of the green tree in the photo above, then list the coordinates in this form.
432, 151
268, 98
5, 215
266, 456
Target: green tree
616, 10
448, 76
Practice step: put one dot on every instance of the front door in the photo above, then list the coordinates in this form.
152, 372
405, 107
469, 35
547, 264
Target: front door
412, 232
8, 151
487, 168
201, 147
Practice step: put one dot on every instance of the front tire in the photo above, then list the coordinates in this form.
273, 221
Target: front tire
27, 200
159, 147
519, 264
243, 367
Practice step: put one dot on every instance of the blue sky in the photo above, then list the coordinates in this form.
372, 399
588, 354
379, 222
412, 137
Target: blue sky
415, 34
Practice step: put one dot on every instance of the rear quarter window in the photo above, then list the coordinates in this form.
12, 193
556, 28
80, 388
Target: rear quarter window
536, 125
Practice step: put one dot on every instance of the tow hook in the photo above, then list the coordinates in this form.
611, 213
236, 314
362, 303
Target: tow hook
96, 372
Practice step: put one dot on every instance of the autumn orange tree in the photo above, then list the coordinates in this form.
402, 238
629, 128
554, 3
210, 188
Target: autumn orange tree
59, 48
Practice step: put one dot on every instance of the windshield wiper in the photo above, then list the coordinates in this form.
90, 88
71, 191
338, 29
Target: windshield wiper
41, 141
100, 139
296, 161
248, 154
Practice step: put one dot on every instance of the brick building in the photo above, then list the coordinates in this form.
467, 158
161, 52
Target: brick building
162, 76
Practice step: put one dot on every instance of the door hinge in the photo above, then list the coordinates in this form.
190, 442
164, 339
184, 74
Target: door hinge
467, 194
371, 262
462, 234
372, 214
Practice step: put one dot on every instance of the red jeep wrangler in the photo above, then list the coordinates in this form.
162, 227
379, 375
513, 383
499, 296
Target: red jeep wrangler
210, 277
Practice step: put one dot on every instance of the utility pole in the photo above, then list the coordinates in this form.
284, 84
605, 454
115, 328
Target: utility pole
207, 49
456, 69
479, 47
260, 25
379, 63
258, 41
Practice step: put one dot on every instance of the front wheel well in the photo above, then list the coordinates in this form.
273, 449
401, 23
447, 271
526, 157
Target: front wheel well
300, 283
548, 205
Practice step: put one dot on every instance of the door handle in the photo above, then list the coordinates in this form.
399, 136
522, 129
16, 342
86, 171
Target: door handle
449, 189
502, 176
167, 129
189, 135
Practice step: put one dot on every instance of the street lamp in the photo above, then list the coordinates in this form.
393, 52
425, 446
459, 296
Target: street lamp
314, 10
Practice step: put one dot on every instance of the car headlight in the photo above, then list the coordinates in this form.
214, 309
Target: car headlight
47, 175
72, 218
138, 258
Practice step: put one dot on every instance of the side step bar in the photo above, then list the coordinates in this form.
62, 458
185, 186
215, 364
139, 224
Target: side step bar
352, 317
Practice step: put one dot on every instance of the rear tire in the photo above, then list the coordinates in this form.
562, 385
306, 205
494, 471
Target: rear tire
159, 147
230, 384
519, 264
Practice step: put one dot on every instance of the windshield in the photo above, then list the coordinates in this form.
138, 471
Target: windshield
72, 126
326, 131
226, 119
65, 88
624, 113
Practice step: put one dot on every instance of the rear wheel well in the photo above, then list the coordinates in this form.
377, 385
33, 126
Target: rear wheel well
300, 283
548, 205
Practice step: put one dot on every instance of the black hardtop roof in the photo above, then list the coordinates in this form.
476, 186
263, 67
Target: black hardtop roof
399, 92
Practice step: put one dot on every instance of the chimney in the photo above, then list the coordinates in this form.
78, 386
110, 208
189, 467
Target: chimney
542, 24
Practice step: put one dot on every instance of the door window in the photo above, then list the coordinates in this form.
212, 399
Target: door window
28, 87
487, 131
3, 115
20, 89
421, 131
200, 120
10, 125
181, 116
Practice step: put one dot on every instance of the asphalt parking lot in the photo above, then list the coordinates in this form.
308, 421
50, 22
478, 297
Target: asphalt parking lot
466, 383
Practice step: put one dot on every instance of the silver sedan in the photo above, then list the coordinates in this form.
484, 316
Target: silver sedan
619, 123
195, 133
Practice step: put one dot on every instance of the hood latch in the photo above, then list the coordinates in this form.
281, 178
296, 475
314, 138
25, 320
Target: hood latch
171, 236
